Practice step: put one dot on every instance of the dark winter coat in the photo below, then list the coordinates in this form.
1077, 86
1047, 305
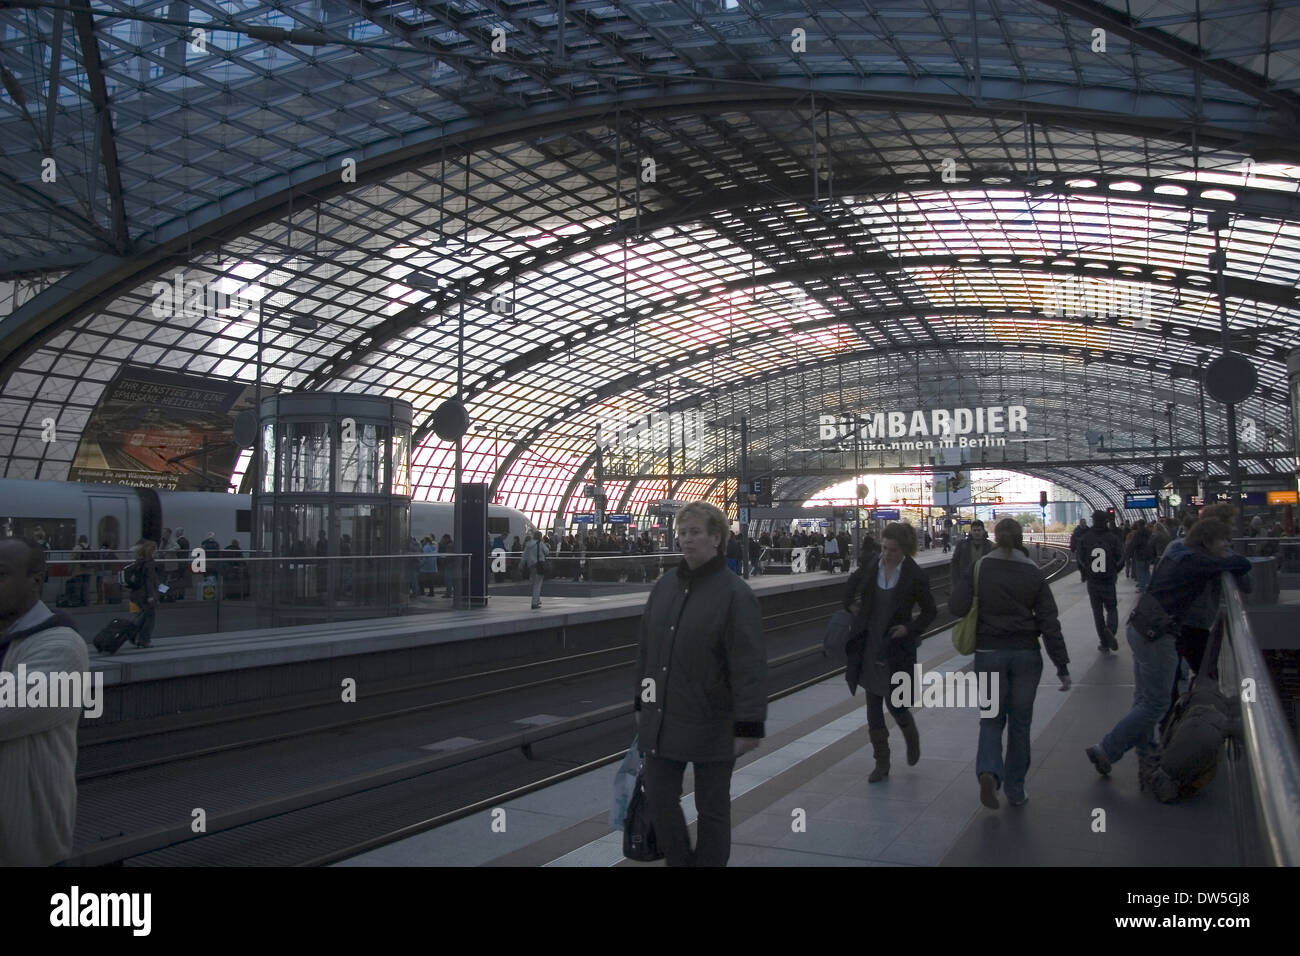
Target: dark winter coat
965, 555
1181, 580
702, 644
911, 591
148, 583
1016, 605
1108, 541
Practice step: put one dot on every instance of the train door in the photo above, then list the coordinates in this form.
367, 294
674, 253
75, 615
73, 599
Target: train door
110, 526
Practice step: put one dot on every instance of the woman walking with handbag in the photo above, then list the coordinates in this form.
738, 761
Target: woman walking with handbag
1015, 607
883, 594
1152, 632
535, 555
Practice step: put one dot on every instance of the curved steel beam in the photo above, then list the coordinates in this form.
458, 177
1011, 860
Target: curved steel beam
1103, 357
1086, 266
1184, 53
1138, 114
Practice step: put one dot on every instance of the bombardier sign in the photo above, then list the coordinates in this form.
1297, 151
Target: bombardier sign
932, 428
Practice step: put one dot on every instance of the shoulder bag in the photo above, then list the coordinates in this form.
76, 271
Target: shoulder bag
964, 631
639, 841
839, 629
1151, 620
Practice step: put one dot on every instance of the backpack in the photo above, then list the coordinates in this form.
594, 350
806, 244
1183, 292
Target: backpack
133, 576
1193, 740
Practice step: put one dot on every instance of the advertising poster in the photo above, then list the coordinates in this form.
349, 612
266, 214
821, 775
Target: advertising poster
166, 430
952, 488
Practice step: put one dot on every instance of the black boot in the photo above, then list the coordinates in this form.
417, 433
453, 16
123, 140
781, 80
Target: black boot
907, 724
880, 750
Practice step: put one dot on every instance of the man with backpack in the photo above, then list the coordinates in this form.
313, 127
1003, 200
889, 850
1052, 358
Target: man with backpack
1153, 629
1100, 561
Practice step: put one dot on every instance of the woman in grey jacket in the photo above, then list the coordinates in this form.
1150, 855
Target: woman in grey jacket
1016, 606
701, 690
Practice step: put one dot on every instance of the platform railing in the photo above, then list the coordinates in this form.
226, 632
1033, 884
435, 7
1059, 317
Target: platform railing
1286, 550
1263, 763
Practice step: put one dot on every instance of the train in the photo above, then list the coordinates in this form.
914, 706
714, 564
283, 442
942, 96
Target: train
115, 517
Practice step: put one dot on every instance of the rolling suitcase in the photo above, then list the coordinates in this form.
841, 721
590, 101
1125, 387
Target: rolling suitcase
115, 633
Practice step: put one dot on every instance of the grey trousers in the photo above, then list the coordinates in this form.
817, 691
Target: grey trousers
663, 790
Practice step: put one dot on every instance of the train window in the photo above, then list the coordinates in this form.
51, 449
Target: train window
59, 533
243, 521
498, 525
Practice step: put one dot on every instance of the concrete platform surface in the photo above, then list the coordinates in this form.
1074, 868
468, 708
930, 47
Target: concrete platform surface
802, 799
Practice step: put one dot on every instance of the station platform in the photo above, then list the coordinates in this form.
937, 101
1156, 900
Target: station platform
232, 668
504, 614
817, 756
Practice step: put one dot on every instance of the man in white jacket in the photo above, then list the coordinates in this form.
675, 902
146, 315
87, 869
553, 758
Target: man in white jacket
535, 554
38, 741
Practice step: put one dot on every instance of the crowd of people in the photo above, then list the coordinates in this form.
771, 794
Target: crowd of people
698, 693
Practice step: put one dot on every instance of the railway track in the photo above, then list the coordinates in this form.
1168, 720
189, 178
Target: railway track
335, 818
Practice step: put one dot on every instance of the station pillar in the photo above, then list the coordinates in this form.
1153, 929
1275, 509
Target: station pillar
332, 509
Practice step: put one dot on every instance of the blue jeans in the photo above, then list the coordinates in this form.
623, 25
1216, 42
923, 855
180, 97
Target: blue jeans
1154, 665
1016, 673
1142, 571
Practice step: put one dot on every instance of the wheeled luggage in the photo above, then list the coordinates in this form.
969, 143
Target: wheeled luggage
115, 633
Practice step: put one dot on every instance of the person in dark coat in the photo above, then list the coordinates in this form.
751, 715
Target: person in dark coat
969, 551
701, 688
1178, 585
1016, 606
1137, 551
144, 594
882, 594
1079, 531
1100, 556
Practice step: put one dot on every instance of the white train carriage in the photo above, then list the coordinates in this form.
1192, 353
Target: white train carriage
115, 517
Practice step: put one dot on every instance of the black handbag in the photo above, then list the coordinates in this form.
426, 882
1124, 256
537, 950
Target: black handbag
838, 631
1151, 620
638, 833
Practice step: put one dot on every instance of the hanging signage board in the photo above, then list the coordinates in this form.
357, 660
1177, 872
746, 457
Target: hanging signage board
1283, 497
620, 519
885, 514
1139, 502
584, 519
1247, 498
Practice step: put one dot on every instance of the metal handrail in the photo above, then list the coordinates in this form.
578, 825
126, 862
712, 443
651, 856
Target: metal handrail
1272, 760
